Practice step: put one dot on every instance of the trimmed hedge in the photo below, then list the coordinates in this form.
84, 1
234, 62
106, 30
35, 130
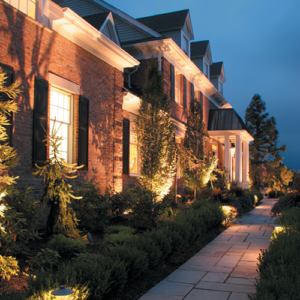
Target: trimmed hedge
279, 265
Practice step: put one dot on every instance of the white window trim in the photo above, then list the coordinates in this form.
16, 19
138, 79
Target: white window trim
71, 125
177, 87
183, 37
205, 63
220, 87
131, 119
63, 84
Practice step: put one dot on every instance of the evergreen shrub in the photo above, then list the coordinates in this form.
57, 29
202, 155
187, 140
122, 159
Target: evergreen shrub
94, 209
146, 244
119, 228
136, 260
115, 239
66, 247
46, 258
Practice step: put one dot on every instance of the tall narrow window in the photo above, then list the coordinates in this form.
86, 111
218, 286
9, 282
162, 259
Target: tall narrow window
133, 151
206, 69
172, 82
184, 92
192, 92
201, 99
60, 111
220, 87
177, 87
27, 7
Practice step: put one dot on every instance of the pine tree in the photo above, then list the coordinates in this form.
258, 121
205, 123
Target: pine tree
155, 135
8, 156
196, 166
57, 192
264, 150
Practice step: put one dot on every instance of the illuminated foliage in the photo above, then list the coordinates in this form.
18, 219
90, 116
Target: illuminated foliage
155, 134
57, 192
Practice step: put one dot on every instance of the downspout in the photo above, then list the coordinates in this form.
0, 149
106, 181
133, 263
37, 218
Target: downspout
129, 74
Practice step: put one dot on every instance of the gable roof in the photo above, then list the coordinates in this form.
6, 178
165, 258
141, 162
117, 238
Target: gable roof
166, 22
216, 69
96, 20
199, 49
225, 119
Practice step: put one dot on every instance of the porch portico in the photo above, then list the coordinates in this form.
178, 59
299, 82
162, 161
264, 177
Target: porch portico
226, 126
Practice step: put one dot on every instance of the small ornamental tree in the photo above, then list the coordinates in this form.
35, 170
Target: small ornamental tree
8, 156
57, 191
155, 135
196, 166
8, 160
264, 150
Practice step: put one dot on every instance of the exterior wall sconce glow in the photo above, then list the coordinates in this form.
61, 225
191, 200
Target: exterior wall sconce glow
62, 292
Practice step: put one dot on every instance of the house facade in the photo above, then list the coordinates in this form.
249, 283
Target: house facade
82, 63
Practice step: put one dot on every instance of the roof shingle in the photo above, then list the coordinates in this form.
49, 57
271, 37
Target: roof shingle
165, 22
216, 69
96, 20
199, 48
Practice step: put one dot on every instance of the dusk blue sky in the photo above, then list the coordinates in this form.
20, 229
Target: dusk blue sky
259, 43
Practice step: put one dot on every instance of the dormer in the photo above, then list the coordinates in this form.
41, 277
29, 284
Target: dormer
217, 76
176, 25
104, 22
201, 56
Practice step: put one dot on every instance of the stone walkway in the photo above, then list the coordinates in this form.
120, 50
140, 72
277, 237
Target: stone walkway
226, 268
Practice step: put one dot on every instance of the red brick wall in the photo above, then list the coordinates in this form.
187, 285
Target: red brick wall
33, 51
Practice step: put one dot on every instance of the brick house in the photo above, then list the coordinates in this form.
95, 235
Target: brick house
93, 55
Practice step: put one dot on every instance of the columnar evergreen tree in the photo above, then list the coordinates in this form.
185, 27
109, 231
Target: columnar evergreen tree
196, 166
264, 150
57, 192
155, 135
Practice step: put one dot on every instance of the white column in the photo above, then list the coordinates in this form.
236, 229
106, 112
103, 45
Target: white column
238, 159
227, 155
246, 165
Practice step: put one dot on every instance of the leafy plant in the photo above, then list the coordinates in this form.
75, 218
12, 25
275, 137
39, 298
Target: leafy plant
8, 267
46, 258
94, 209
117, 238
281, 205
57, 191
155, 132
65, 246
119, 228
19, 221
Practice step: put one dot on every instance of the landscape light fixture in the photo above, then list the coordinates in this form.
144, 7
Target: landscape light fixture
62, 292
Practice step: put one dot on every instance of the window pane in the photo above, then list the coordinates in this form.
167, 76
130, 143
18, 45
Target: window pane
133, 159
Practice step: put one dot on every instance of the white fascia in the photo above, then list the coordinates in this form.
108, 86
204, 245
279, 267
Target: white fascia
113, 28
174, 54
70, 25
244, 134
129, 19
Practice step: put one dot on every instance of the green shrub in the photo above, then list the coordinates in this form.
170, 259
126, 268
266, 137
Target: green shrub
87, 257
117, 238
103, 275
144, 208
135, 260
119, 228
121, 202
46, 258
65, 246
8, 267
19, 222
94, 209
291, 219
161, 240
275, 194
146, 244
279, 268
44, 283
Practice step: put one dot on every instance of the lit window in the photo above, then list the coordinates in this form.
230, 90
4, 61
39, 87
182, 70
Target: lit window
60, 111
27, 7
215, 150
177, 87
133, 151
